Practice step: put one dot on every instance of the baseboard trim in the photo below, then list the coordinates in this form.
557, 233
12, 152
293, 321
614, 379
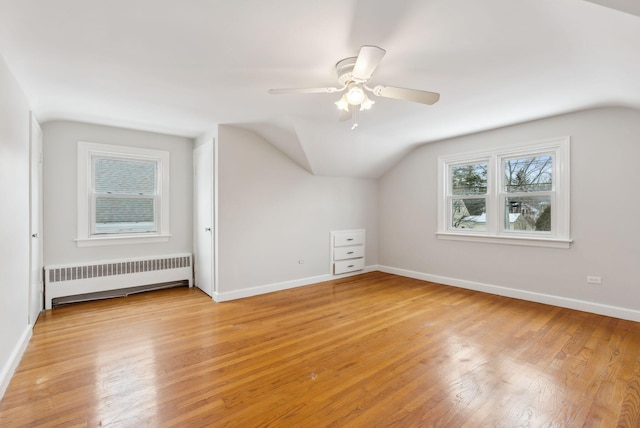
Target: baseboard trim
14, 359
549, 299
285, 285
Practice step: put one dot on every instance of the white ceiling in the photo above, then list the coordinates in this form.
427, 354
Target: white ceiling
183, 67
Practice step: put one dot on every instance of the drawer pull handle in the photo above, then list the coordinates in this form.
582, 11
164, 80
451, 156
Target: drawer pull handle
351, 266
350, 252
349, 239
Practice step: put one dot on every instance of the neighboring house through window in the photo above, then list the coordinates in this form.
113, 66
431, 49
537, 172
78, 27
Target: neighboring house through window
123, 194
515, 195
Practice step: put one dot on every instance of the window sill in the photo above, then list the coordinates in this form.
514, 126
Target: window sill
507, 240
121, 240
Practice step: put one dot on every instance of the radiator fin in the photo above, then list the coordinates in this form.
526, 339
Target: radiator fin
114, 269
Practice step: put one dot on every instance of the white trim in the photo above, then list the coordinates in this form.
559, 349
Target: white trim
36, 211
120, 239
86, 151
531, 296
559, 237
508, 240
216, 277
285, 285
14, 359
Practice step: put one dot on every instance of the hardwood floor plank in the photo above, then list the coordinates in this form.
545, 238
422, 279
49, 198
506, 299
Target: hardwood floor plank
370, 350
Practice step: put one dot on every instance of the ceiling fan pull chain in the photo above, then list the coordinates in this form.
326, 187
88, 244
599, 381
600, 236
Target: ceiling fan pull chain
353, 116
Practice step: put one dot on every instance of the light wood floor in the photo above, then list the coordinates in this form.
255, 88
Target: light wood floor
374, 350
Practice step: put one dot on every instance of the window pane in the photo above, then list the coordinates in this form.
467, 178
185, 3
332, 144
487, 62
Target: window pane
528, 213
469, 214
532, 174
469, 179
114, 215
122, 176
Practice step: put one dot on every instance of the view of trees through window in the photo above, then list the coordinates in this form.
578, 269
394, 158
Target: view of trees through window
526, 191
470, 181
516, 194
527, 182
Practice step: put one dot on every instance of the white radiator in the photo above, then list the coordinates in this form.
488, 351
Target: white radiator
107, 275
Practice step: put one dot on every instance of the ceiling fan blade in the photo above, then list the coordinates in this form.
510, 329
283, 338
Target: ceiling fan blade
304, 91
415, 95
367, 62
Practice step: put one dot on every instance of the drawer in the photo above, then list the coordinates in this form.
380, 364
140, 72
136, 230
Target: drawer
341, 253
348, 238
344, 266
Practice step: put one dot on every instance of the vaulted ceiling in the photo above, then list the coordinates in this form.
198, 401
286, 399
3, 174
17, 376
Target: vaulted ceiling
185, 67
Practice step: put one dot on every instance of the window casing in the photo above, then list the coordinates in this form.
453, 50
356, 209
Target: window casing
517, 195
123, 195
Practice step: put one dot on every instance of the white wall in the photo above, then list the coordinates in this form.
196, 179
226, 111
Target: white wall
60, 204
14, 223
273, 213
605, 160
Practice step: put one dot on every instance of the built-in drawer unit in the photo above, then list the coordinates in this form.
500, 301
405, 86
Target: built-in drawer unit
347, 251
351, 265
355, 237
350, 252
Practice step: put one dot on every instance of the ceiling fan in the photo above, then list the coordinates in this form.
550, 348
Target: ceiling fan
353, 75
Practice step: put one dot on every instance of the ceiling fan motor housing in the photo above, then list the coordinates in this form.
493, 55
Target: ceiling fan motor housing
344, 69
353, 75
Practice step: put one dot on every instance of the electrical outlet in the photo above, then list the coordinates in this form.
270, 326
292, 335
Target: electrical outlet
594, 279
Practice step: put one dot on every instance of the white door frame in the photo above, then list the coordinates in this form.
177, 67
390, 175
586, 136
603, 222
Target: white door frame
205, 229
36, 250
215, 218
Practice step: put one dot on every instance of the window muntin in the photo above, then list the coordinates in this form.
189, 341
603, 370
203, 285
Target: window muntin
469, 213
468, 196
528, 174
124, 215
469, 179
530, 213
123, 195
527, 193
517, 195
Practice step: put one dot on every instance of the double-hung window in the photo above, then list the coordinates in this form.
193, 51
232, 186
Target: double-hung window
122, 194
516, 195
467, 198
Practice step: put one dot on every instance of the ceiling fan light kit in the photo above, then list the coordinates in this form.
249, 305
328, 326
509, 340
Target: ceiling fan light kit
367, 103
355, 94
353, 74
343, 103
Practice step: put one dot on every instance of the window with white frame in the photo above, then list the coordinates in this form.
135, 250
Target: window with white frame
123, 194
515, 195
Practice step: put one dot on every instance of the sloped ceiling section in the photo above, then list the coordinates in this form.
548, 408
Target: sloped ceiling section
282, 135
628, 6
185, 67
